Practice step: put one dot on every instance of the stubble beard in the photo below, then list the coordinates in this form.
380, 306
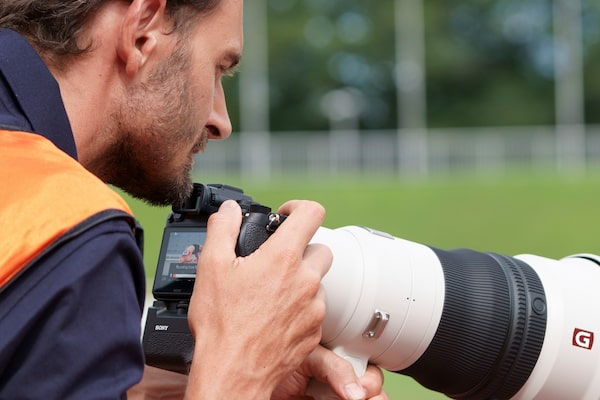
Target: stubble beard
149, 158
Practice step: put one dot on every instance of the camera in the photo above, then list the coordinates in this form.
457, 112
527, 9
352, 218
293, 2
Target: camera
469, 324
167, 340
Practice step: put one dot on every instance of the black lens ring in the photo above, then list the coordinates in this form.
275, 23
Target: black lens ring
491, 330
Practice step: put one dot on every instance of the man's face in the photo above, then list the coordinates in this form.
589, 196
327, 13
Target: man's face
168, 118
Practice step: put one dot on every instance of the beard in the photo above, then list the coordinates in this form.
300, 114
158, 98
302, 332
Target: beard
155, 136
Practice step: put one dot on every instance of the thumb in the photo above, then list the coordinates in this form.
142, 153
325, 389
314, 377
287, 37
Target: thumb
337, 373
222, 230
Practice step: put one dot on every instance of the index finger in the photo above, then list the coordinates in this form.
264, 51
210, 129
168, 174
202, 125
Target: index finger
304, 217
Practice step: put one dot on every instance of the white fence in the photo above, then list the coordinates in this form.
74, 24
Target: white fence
432, 152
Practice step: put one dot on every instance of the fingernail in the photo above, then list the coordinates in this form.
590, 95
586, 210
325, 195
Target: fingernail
354, 392
227, 205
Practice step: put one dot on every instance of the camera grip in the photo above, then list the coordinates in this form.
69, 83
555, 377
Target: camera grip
255, 230
253, 233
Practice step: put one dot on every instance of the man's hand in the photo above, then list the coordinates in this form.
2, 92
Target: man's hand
325, 366
159, 384
256, 318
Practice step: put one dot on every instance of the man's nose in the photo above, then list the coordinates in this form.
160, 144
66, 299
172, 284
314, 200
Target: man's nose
219, 124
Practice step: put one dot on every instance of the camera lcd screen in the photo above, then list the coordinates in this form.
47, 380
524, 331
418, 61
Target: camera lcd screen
176, 269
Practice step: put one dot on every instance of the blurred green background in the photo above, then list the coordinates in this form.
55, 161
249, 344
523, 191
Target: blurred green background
516, 213
477, 62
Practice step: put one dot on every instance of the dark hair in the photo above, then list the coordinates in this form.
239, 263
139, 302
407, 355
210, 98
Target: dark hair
54, 26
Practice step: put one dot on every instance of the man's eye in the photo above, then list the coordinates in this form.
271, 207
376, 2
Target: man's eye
229, 71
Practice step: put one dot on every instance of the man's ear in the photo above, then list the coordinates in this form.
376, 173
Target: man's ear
142, 27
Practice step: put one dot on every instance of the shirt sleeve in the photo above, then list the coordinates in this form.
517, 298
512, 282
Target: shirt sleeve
71, 323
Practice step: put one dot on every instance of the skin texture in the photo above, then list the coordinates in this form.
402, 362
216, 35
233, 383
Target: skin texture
142, 103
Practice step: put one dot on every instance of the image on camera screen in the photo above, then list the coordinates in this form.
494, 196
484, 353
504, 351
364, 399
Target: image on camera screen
181, 256
178, 260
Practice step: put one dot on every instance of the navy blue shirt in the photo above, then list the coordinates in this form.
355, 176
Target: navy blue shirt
69, 326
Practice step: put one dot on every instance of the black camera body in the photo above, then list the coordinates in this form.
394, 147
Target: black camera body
167, 340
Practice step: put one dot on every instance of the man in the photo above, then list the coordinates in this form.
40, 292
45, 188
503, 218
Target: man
128, 92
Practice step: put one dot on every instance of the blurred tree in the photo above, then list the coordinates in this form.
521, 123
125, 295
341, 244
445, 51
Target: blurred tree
318, 46
591, 43
488, 62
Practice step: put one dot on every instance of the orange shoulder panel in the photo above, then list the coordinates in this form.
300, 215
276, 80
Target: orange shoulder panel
45, 193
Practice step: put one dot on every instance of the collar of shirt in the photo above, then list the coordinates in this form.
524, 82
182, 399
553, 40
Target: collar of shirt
30, 97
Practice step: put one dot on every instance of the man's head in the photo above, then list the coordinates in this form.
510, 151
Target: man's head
140, 79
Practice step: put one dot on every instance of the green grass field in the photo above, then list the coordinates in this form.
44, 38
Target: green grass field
518, 213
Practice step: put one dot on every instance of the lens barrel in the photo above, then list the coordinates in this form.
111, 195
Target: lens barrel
491, 330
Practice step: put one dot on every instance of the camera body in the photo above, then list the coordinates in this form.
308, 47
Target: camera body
167, 341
